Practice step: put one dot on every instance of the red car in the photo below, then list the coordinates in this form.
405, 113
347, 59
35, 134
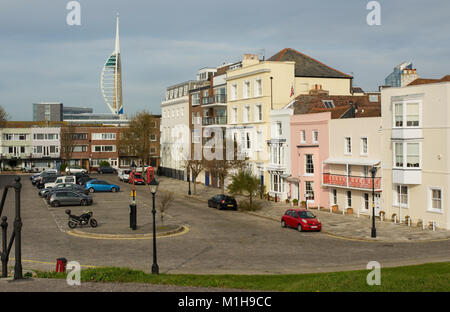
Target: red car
137, 178
301, 219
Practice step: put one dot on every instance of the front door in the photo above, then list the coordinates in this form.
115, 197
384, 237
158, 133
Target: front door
206, 178
377, 204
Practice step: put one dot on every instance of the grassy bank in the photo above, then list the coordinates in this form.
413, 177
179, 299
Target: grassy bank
426, 277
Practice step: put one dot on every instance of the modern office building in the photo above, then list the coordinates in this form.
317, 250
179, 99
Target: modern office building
402, 75
48, 111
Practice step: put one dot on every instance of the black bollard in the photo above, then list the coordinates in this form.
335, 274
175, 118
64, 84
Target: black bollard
133, 216
4, 226
17, 232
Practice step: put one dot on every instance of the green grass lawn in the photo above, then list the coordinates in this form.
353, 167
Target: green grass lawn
426, 277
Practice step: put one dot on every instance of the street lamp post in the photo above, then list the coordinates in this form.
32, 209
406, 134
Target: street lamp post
374, 230
189, 181
153, 188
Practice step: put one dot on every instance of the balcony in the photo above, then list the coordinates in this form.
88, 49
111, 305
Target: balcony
350, 182
208, 121
216, 100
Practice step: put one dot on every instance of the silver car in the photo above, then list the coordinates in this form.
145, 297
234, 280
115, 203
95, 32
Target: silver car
69, 198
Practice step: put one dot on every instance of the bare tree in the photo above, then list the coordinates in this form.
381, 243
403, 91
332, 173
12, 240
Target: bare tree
223, 167
3, 117
165, 201
136, 138
194, 168
67, 141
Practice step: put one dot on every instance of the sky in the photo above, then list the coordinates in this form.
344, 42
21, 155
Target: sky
42, 58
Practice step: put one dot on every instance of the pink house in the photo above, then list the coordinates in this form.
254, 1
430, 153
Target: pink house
309, 148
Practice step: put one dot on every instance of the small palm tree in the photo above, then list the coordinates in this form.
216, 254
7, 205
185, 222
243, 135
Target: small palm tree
244, 183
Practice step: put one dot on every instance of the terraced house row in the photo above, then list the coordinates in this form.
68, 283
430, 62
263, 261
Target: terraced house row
35, 146
310, 135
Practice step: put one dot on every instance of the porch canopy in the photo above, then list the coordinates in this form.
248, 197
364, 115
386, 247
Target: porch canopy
352, 161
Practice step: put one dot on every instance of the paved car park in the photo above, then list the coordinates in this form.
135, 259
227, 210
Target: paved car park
218, 241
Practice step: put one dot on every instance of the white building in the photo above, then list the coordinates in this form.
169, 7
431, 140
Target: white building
279, 166
46, 147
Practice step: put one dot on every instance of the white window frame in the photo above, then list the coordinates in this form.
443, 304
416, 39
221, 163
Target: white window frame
306, 165
234, 115
314, 139
430, 200
346, 152
361, 146
404, 115
258, 113
257, 87
347, 198
246, 94
246, 114
302, 136
396, 203
334, 198
363, 202
405, 155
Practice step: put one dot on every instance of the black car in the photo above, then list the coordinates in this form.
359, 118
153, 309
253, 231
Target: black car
79, 175
106, 170
46, 179
83, 180
222, 201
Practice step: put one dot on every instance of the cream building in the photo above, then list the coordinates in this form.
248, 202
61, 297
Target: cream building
416, 161
354, 149
257, 87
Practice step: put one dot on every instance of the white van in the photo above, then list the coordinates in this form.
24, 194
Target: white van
123, 174
63, 179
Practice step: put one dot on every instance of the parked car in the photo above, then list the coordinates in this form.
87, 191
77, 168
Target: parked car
123, 174
69, 198
101, 186
62, 186
63, 179
46, 179
83, 180
136, 178
75, 169
79, 175
301, 219
102, 170
36, 178
222, 201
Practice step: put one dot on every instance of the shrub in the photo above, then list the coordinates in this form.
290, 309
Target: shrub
104, 163
63, 167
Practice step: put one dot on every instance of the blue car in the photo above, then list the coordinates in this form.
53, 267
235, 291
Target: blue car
101, 186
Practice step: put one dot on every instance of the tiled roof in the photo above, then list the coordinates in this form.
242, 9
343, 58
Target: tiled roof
306, 66
420, 81
308, 104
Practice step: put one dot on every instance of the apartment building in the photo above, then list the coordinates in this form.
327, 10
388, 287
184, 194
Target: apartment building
279, 144
259, 86
416, 173
322, 151
46, 147
16, 148
175, 128
354, 149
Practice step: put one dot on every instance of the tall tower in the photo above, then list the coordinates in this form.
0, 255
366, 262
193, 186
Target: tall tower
111, 80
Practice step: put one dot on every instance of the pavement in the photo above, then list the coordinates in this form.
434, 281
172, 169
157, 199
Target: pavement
334, 224
216, 242
60, 285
